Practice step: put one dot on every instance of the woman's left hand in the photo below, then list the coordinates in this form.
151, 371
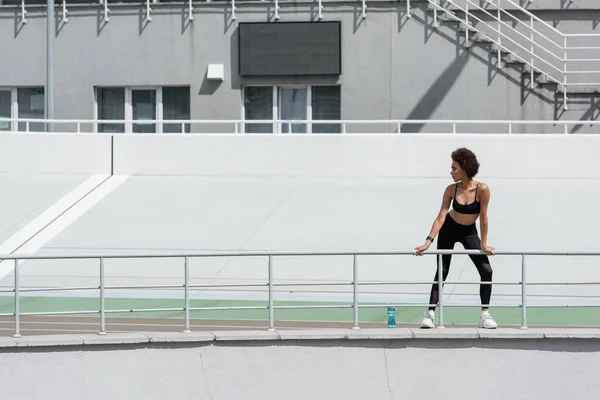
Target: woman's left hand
488, 249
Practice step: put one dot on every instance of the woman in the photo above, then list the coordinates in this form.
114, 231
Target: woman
470, 201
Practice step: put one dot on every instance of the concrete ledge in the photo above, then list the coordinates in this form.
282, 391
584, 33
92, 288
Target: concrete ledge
446, 333
320, 334
508, 333
115, 338
180, 337
299, 334
49, 340
382, 333
245, 335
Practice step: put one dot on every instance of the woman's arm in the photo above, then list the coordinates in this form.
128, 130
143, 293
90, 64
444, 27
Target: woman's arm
483, 217
439, 220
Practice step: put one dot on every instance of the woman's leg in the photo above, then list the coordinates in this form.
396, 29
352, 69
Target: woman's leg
446, 241
481, 261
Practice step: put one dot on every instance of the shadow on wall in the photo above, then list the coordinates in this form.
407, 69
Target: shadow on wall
208, 87
436, 94
233, 60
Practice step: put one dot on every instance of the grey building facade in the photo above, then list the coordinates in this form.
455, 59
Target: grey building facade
146, 61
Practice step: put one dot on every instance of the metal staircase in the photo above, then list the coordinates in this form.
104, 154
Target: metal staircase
549, 57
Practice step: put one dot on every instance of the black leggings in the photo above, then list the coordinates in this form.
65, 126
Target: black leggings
450, 233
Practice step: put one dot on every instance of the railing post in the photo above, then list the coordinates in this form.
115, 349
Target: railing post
467, 25
523, 292
435, 14
17, 283
441, 294
271, 317
565, 74
102, 300
454, 127
186, 289
355, 290
499, 65
532, 53
509, 128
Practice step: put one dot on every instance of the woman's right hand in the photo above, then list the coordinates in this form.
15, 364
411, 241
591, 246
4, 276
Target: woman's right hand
422, 248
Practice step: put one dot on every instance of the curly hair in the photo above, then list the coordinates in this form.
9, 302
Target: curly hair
467, 161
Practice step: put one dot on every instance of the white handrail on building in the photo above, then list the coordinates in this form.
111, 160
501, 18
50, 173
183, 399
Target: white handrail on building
563, 75
270, 255
237, 126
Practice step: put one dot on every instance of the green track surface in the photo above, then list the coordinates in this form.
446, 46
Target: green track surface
587, 316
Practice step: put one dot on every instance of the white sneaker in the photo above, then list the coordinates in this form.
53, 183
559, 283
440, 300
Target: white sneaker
428, 321
487, 322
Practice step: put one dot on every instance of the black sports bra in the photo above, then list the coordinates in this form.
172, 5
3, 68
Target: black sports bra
473, 208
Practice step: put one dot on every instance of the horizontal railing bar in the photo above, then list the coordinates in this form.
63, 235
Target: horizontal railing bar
57, 289
561, 283
299, 307
59, 312
291, 253
313, 284
581, 34
429, 283
584, 305
229, 308
218, 285
312, 306
145, 287
446, 304
143, 310
581, 72
305, 121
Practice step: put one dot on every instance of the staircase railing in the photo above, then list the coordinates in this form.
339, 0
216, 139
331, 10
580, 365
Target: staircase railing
534, 42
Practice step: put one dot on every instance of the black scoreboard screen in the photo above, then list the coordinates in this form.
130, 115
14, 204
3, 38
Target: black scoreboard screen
289, 48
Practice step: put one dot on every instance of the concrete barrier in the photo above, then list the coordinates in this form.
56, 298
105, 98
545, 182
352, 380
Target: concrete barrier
325, 364
55, 153
372, 155
369, 155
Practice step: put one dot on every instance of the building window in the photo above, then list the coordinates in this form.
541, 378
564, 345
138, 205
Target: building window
6, 106
23, 103
145, 107
291, 103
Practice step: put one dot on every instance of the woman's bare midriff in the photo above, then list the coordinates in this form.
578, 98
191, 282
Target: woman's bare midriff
463, 219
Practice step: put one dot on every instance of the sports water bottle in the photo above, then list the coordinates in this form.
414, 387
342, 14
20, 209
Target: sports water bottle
391, 311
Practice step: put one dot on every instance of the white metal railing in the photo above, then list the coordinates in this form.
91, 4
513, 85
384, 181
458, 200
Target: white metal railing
276, 126
558, 60
270, 284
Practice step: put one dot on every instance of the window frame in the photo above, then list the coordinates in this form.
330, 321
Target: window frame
128, 104
14, 104
276, 112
